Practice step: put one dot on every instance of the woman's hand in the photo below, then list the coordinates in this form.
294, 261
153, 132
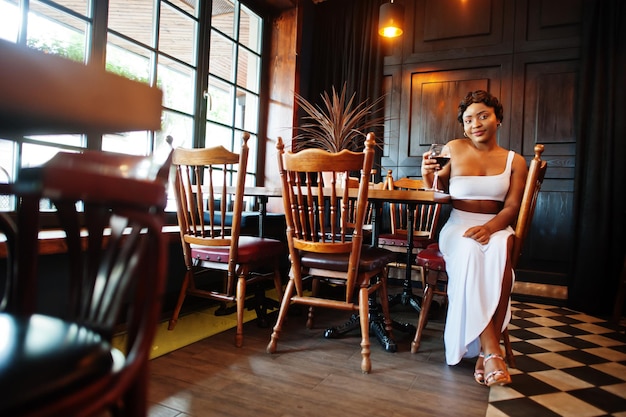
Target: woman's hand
429, 165
480, 234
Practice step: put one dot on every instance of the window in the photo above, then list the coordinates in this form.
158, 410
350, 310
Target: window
233, 83
210, 92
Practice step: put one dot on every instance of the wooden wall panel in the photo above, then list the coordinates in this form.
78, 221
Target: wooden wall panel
444, 29
466, 20
544, 107
546, 24
392, 88
544, 112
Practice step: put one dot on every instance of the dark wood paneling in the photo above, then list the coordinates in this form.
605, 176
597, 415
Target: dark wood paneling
392, 88
468, 19
544, 107
543, 112
444, 29
551, 235
390, 123
547, 24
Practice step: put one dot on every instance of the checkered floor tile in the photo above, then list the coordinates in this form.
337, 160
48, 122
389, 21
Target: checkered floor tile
568, 364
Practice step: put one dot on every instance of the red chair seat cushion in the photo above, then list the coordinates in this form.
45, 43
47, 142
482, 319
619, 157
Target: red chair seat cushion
431, 258
45, 358
251, 250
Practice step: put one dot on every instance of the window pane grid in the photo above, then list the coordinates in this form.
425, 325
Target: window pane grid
176, 33
234, 76
154, 42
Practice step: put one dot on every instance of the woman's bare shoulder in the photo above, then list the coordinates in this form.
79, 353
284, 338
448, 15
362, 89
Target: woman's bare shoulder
519, 163
517, 158
459, 143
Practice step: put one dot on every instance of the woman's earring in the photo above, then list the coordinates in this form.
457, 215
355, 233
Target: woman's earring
464, 134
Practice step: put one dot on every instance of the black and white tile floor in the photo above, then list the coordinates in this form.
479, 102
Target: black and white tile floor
568, 364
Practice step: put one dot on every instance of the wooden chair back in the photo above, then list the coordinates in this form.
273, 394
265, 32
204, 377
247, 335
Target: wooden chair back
326, 241
209, 188
110, 208
204, 212
318, 211
534, 180
117, 192
425, 215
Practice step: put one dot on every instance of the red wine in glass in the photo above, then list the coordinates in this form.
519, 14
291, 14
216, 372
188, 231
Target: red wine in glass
442, 160
441, 153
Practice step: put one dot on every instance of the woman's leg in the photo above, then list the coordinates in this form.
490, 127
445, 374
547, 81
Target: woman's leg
495, 371
494, 366
507, 287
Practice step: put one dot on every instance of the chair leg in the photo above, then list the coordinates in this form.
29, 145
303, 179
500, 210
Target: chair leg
423, 317
282, 313
315, 287
508, 350
366, 362
278, 282
181, 299
241, 306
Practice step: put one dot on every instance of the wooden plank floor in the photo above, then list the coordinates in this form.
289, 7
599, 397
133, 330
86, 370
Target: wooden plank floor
313, 376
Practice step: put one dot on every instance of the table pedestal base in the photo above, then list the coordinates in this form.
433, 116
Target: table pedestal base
406, 298
377, 328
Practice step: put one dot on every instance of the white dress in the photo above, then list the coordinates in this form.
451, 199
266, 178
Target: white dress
475, 273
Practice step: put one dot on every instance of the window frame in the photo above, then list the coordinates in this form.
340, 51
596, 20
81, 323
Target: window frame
96, 39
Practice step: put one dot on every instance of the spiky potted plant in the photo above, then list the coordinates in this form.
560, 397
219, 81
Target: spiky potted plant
339, 124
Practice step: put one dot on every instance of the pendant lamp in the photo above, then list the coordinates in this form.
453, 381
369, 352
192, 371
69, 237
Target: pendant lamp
390, 20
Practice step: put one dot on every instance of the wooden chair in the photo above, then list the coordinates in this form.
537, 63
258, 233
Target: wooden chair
62, 363
435, 279
321, 244
210, 247
425, 217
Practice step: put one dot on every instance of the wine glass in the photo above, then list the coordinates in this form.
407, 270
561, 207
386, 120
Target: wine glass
441, 153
